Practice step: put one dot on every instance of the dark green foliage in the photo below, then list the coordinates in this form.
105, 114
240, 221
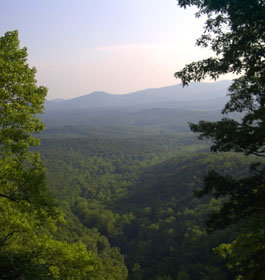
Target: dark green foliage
235, 31
20, 266
138, 192
245, 196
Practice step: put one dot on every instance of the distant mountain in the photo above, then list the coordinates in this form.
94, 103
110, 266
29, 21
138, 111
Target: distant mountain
195, 96
58, 100
163, 110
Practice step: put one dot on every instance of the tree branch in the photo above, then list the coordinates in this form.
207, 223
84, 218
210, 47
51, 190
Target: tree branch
8, 197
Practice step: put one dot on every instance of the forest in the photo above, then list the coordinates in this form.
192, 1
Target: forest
138, 196
137, 193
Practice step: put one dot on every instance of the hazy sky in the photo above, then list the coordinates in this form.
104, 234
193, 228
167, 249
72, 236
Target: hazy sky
118, 46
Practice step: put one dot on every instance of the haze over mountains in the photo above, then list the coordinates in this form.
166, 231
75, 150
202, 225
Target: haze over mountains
167, 109
196, 96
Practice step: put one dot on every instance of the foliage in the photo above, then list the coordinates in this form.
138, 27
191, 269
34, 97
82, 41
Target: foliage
28, 216
20, 101
245, 197
137, 192
235, 31
251, 263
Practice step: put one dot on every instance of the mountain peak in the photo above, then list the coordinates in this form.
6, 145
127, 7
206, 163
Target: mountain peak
98, 93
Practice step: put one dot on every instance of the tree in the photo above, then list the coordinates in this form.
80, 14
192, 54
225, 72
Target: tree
235, 31
22, 178
20, 102
28, 216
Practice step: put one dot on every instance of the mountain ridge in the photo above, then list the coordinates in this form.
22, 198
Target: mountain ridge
167, 109
163, 97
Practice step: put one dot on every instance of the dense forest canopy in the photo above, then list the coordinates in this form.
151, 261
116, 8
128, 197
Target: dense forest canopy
138, 192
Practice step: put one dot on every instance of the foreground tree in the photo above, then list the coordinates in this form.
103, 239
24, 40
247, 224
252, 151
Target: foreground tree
235, 31
21, 173
28, 216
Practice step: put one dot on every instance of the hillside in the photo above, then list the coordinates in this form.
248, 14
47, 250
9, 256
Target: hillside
137, 192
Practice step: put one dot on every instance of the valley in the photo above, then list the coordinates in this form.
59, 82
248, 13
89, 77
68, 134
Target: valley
125, 179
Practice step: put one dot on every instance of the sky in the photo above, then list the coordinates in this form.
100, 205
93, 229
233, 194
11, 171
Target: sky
117, 46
